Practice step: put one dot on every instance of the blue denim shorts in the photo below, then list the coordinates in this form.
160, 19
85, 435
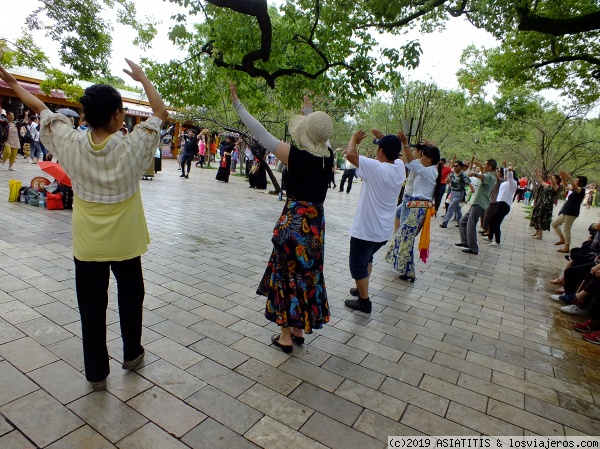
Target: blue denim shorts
361, 255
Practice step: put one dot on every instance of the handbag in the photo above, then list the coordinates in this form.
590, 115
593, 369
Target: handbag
14, 188
54, 201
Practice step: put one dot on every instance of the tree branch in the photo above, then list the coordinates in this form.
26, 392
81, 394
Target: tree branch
557, 27
583, 57
405, 20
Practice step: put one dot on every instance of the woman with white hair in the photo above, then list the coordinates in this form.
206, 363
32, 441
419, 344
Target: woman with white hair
293, 281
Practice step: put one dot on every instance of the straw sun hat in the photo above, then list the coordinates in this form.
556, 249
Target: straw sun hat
311, 132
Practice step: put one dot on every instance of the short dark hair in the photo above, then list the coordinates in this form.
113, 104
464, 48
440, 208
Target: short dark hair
582, 181
100, 102
443, 160
391, 146
492, 163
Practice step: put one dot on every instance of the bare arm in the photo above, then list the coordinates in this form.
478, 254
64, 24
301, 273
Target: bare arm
406, 153
351, 153
28, 98
158, 106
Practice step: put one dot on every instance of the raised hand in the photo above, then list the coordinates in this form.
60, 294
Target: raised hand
6, 77
403, 138
378, 134
233, 91
358, 136
136, 72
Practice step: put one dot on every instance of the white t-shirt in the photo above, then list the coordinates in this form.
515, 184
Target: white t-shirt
424, 183
382, 181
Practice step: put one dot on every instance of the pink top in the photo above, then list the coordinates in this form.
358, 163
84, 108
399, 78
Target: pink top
202, 147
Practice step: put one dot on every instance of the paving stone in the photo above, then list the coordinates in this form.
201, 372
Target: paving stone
529, 421
339, 349
14, 440
270, 355
69, 350
559, 385
336, 435
5, 427
326, 403
414, 395
174, 353
178, 315
268, 376
217, 332
149, 436
481, 422
394, 370
62, 381
355, 372
272, 434
380, 427
463, 366
15, 383
220, 353
569, 418
211, 434
380, 350
44, 331
492, 390
228, 411
218, 376
313, 374
59, 313
167, 411
32, 297
41, 417
525, 387
84, 437
171, 378
455, 393
372, 399
8, 332
26, 354
433, 369
177, 332
496, 365
431, 424
408, 347
277, 406
16, 312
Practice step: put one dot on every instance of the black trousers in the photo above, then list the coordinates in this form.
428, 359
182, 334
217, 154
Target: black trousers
496, 220
575, 275
91, 283
348, 175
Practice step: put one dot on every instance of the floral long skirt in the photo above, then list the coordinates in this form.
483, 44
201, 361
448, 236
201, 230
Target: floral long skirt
293, 281
400, 253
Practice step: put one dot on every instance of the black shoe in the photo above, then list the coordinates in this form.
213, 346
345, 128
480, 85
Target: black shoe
354, 292
463, 245
362, 305
469, 251
457, 225
348, 191
340, 190
186, 176
182, 175
443, 225
404, 277
298, 340
285, 348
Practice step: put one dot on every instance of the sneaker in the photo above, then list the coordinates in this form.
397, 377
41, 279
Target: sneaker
573, 310
587, 326
362, 305
443, 225
99, 386
493, 243
567, 298
593, 337
133, 364
182, 175
354, 292
12, 169
462, 245
186, 176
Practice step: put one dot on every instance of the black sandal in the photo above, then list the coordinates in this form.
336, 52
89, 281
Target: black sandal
298, 340
285, 348
404, 277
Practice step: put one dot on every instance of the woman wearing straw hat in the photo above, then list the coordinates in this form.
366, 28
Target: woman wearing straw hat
293, 281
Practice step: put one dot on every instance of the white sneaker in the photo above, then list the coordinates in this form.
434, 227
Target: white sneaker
12, 169
493, 243
555, 297
573, 310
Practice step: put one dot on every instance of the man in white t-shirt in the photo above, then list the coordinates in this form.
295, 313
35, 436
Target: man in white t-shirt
373, 223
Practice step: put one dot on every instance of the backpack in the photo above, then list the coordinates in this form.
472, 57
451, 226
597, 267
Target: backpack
27, 137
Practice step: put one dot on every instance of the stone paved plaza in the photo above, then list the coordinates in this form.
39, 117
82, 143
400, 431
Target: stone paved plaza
474, 347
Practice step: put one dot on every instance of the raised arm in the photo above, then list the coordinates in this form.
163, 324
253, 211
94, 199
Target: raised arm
28, 98
408, 155
158, 106
270, 142
351, 151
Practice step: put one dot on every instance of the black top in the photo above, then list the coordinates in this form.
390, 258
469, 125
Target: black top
191, 145
308, 176
573, 204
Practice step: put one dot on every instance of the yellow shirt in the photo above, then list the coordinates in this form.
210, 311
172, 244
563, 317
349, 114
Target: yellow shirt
104, 232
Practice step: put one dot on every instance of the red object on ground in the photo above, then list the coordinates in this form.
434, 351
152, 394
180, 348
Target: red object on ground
56, 171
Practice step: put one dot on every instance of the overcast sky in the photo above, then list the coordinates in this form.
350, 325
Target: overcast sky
439, 62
